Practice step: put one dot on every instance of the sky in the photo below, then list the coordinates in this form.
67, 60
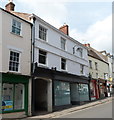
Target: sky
90, 21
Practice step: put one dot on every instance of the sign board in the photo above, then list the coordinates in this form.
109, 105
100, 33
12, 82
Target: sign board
7, 105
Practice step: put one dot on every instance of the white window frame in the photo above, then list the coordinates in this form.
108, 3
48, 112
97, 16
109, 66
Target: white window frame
65, 64
80, 52
17, 21
18, 61
45, 58
63, 43
45, 32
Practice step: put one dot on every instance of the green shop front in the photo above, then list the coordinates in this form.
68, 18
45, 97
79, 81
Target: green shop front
14, 93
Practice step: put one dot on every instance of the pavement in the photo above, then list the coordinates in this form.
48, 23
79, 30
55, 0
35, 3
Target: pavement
57, 114
70, 110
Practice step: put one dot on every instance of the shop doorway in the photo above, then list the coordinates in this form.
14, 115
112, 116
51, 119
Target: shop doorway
42, 95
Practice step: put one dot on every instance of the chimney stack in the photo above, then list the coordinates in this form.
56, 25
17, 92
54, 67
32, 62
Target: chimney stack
65, 29
87, 45
10, 6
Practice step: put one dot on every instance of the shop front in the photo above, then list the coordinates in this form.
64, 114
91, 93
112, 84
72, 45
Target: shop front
103, 88
94, 89
14, 93
67, 89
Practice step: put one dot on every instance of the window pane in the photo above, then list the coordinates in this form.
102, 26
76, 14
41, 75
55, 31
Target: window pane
7, 97
19, 96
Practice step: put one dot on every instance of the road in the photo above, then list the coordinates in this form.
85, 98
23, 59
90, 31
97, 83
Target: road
99, 111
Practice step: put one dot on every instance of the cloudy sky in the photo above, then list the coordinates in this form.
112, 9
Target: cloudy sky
89, 21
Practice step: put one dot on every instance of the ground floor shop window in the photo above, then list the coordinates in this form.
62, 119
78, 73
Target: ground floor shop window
102, 90
61, 93
12, 97
83, 92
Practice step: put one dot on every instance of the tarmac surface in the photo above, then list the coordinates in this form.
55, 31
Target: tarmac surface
57, 114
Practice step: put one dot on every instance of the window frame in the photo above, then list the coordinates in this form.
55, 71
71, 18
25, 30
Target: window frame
13, 99
81, 69
43, 33
96, 66
80, 52
20, 29
63, 43
14, 61
43, 56
90, 64
63, 62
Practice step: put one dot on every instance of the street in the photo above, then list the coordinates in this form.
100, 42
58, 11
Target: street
99, 111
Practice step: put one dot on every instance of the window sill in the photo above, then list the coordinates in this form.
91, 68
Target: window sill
42, 65
14, 72
43, 40
16, 34
63, 70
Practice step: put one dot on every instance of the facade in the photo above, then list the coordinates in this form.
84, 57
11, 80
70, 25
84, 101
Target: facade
111, 71
60, 68
99, 73
15, 61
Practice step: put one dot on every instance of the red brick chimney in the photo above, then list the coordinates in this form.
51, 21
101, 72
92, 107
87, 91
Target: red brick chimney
64, 29
10, 6
87, 45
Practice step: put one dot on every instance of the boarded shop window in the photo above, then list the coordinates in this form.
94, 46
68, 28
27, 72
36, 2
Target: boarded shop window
19, 96
61, 93
12, 97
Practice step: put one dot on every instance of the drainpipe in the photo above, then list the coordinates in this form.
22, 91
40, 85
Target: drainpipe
33, 69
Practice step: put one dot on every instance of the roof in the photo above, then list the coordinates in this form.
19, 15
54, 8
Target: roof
27, 17
16, 14
96, 54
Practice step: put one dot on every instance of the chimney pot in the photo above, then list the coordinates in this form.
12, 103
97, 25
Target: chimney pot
87, 45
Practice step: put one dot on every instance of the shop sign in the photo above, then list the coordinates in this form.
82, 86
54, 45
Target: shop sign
7, 105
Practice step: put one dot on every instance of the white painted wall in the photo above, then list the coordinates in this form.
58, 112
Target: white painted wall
11, 41
0, 40
54, 52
